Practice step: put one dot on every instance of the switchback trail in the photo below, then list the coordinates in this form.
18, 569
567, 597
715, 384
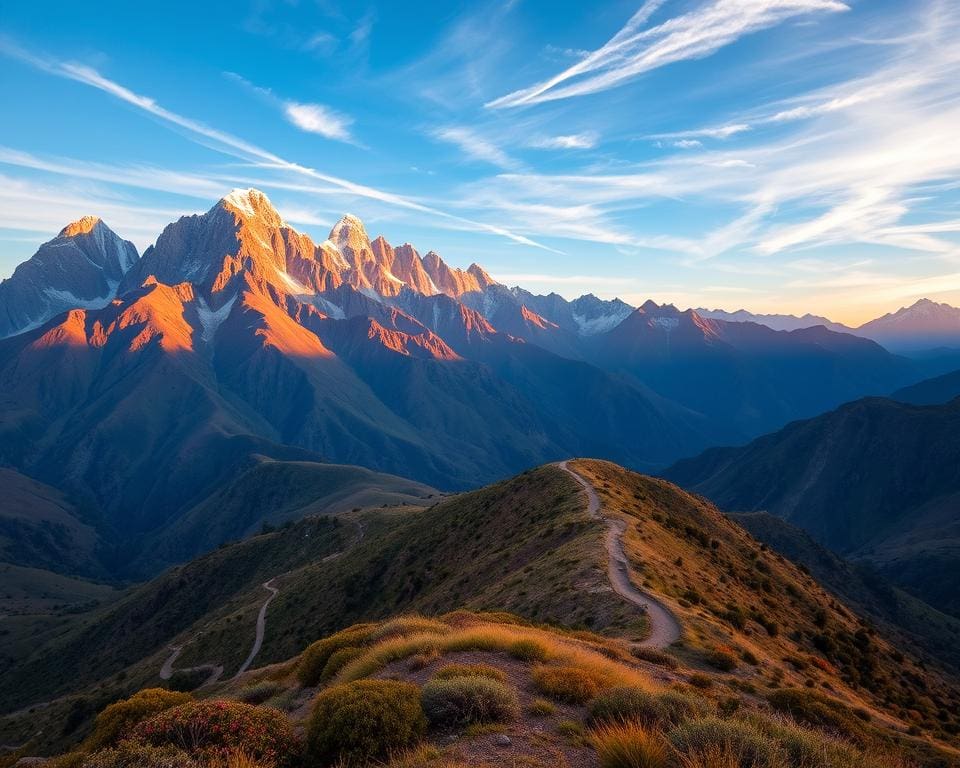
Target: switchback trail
216, 670
664, 627
261, 627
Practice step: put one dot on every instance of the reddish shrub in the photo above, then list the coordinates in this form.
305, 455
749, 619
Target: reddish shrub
215, 729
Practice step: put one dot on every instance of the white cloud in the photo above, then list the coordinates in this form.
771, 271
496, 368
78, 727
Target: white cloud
234, 146
688, 144
316, 118
585, 140
636, 49
718, 132
475, 147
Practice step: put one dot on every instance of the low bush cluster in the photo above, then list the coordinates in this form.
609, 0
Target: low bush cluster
117, 720
629, 745
448, 671
460, 701
130, 754
528, 650
313, 660
573, 685
816, 709
257, 693
364, 721
211, 730
652, 710
655, 656
748, 745
722, 657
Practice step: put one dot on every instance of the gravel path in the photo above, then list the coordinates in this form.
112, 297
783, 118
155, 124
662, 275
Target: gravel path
664, 627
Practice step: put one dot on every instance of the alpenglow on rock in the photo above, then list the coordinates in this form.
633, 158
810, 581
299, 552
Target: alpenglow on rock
80, 267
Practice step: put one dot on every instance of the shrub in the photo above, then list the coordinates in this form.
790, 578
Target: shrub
722, 658
573, 685
420, 757
629, 745
651, 710
470, 670
132, 755
338, 660
257, 693
749, 746
315, 657
213, 729
701, 681
528, 650
116, 721
461, 701
364, 721
654, 656
573, 731
402, 626
541, 708
816, 709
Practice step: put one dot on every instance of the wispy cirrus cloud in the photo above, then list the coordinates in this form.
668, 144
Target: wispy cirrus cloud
227, 143
476, 147
585, 140
637, 48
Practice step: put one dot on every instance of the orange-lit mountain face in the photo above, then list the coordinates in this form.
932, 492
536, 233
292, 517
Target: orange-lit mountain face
156, 377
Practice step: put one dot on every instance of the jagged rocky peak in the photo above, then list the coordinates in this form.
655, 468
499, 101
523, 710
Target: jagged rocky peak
251, 204
82, 226
81, 267
350, 237
481, 275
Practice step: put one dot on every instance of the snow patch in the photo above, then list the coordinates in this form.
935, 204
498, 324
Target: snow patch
329, 308
594, 325
291, 283
60, 299
666, 323
211, 319
240, 199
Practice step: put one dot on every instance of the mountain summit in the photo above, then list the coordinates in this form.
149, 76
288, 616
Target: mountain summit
923, 325
80, 267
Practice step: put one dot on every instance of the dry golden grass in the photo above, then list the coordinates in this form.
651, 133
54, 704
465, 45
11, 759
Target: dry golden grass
496, 638
629, 745
570, 684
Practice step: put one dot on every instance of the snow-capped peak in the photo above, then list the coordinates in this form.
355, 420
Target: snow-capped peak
250, 203
346, 227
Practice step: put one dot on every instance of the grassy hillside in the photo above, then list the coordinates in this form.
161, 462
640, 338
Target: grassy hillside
753, 623
874, 480
916, 625
40, 528
729, 589
525, 544
468, 690
272, 493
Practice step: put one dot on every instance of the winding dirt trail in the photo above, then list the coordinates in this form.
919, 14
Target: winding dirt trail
664, 627
261, 627
216, 670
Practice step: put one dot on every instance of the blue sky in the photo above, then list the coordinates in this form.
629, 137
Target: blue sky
779, 155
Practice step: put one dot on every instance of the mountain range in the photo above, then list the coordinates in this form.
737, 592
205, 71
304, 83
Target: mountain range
235, 339
924, 325
874, 480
